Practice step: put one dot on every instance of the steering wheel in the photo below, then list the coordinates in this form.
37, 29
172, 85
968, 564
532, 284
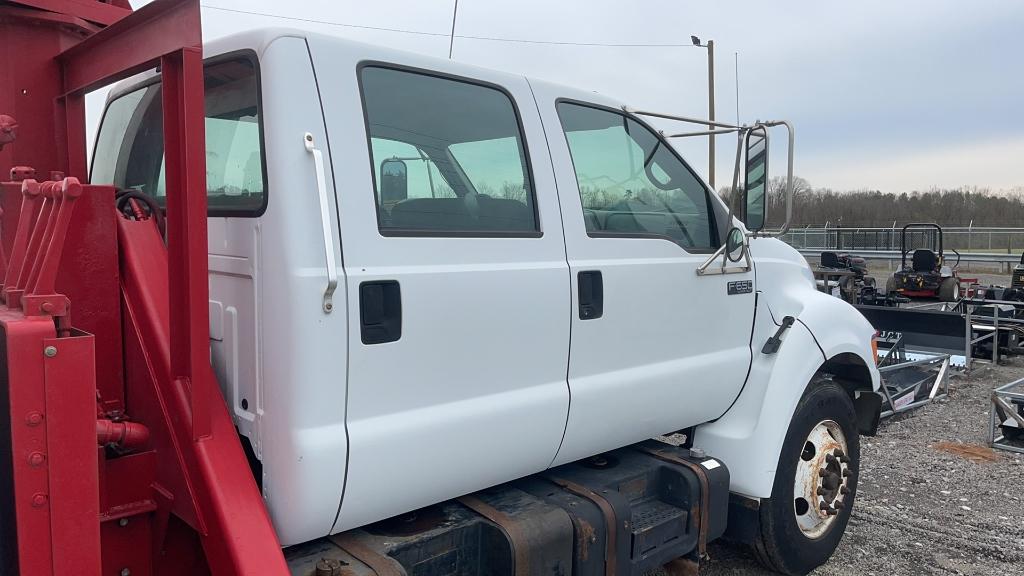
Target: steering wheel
134, 204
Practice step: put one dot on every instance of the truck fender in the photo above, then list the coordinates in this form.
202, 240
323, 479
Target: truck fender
828, 336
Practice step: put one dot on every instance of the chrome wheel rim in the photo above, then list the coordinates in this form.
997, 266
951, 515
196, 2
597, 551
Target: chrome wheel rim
820, 489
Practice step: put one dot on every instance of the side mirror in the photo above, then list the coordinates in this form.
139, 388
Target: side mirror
756, 178
734, 245
394, 181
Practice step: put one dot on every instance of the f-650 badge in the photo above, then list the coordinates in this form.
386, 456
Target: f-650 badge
741, 287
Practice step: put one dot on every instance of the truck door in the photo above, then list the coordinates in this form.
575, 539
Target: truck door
457, 281
655, 347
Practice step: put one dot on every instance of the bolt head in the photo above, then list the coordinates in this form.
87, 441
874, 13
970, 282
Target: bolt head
36, 459
122, 522
126, 572
39, 500
33, 418
50, 351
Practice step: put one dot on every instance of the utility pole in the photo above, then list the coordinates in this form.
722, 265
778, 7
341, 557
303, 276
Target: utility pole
711, 105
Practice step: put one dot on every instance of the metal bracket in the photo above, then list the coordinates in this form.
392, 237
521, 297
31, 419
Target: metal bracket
705, 268
325, 217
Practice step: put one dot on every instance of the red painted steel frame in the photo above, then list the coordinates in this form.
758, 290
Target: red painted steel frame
195, 474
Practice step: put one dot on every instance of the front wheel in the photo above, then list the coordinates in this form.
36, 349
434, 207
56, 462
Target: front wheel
815, 483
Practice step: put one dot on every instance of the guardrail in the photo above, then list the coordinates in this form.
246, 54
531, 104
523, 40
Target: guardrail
1009, 259
963, 239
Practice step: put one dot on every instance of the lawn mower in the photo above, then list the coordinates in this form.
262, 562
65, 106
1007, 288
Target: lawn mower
926, 275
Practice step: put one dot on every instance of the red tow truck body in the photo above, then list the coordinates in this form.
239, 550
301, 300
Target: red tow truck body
122, 456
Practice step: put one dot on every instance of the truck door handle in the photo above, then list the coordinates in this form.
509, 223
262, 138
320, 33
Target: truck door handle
591, 294
325, 220
380, 311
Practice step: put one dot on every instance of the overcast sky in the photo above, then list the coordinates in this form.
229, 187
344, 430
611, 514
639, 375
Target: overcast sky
889, 95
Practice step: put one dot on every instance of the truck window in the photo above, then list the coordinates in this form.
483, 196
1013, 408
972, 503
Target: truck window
423, 178
632, 183
464, 154
130, 148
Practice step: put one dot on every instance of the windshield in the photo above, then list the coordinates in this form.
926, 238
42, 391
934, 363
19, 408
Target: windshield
130, 147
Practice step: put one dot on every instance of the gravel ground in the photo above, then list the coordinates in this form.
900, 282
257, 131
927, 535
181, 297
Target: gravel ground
922, 509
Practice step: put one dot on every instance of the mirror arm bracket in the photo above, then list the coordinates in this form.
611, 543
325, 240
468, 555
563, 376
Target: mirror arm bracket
705, 268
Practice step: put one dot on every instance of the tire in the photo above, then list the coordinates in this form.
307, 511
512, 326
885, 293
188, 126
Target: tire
890, 285
949, 290
791, 542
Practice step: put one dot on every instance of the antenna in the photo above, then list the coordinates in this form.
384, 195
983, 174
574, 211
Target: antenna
451, 43
736, 64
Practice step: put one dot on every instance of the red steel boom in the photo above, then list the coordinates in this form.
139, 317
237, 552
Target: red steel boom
123, 458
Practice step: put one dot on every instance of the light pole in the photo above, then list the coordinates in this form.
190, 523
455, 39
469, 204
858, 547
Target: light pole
711, 105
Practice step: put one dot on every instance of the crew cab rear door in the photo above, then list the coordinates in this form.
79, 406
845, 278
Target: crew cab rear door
655, 347
458, 285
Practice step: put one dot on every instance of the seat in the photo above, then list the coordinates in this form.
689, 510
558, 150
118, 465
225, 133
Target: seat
925, 261
431, 214
830, 260
504, 214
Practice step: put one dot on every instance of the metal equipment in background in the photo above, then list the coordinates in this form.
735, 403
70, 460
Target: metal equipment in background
927, 275
1006, 417
910, 379
1017, 280
843, 275
995, 321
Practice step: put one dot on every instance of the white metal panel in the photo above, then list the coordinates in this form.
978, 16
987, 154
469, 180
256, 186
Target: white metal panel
302, 350
672, 348
749, 437
474, 392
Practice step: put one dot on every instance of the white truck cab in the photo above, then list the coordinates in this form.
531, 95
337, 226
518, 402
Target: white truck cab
429, 278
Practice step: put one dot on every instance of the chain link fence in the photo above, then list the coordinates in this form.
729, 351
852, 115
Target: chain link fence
964, 240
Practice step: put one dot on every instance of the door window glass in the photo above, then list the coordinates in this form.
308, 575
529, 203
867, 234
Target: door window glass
631, 183
130, 147
448, 155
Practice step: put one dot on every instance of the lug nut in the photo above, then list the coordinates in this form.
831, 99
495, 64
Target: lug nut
839, 505
821, 491
844, 490
832, 512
